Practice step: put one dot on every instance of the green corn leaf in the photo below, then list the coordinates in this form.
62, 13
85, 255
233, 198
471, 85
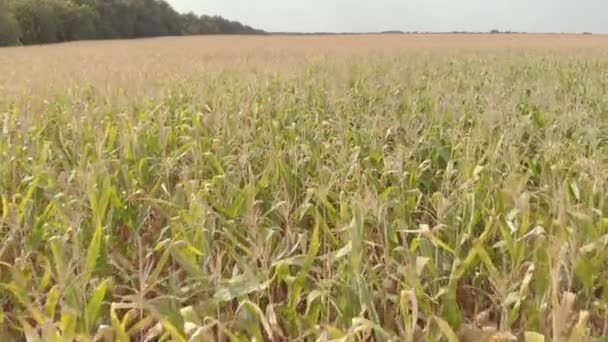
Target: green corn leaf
68, 326
239, 286
446, 330
173, 331
579, 332
93, 253
52, 298
186, 256
31, 335
4, 208
33, 185
119, 331
93, 307
57, 250
530, 336
313, 249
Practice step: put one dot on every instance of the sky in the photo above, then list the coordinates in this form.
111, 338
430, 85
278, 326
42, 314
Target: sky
409, 15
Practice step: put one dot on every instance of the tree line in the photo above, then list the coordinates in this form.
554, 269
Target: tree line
25, 22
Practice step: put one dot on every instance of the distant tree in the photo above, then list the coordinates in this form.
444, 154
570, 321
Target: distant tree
495, 31
115, 19
74, 21
37, 21
48, 21
190, 24
393, 32
170, 19
10, 31
209, 24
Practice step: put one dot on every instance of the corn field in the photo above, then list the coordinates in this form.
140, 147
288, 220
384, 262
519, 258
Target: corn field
369, 188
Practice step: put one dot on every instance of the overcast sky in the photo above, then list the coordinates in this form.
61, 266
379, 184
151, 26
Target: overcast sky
409, 15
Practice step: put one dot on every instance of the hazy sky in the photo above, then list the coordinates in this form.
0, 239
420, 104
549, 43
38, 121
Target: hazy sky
409, 15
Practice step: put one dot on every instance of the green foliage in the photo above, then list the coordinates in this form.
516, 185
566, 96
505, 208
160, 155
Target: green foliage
37, 20
75, 21
9, 26
48, 21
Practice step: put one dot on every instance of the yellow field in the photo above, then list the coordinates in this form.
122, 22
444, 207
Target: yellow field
139, 65
351, 188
